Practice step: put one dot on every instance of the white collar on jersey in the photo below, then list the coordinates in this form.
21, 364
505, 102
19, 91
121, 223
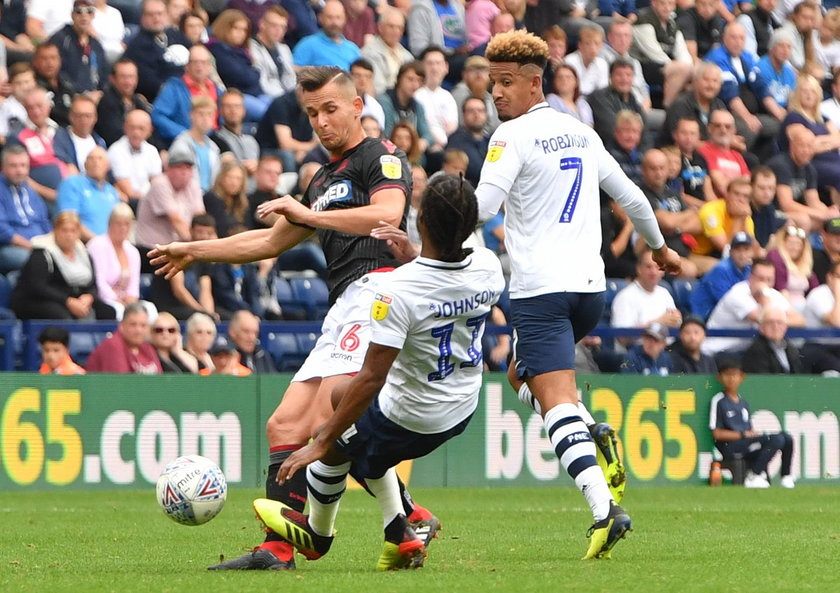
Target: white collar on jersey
448, 265
540, 105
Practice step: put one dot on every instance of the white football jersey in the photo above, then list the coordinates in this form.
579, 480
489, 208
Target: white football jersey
551, 167
434, 312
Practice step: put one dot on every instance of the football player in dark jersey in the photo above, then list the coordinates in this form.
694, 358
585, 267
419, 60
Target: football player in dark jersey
366, 181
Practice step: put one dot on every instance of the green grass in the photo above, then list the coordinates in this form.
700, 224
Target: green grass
685, 539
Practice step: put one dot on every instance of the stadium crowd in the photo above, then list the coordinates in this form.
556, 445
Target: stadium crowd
120, 135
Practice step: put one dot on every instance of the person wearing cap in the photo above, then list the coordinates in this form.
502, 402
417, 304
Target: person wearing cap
822, 311
728, 272
650, 357
721, 221
475, 80
83, 58
829, 253
770, 353
686, 353
225, 359
775, 70
733, 431
385, 51
128, 350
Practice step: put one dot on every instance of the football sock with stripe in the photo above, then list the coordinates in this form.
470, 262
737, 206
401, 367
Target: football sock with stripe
387, 492
292, 493
326, 484
526, 397
576, 450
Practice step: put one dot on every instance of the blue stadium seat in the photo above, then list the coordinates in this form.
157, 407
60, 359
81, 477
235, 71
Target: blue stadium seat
81, 345
667, 286
285, 351
614, 285
306, 342
292, 307
146, 286
6, 287
313, 294
683, 288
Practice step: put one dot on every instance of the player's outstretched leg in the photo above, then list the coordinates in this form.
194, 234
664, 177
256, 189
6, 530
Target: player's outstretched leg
607, 532
403, 548
292, 526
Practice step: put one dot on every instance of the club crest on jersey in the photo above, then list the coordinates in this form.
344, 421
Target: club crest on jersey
341, 191
494, 153
391, 166
380, 307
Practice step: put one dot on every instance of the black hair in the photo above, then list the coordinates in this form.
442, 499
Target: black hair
449, 213
203, 220
728, 363
432, 49
54, 334
362, 63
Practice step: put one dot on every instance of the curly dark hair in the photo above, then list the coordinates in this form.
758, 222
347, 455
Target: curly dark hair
449, 213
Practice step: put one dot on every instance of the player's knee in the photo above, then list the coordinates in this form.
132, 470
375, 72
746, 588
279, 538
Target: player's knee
282, 430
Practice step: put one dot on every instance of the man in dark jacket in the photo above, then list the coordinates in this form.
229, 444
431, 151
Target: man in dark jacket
770, 353
83, 58
686, 356
244, 332
119, 98
617, 96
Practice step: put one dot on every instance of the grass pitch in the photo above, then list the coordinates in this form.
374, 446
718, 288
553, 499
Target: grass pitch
685, 539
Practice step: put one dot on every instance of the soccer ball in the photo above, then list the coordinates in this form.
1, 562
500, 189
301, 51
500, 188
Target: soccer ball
191, 490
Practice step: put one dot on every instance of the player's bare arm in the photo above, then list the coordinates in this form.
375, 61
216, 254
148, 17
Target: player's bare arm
397, 240
242, 248
668, 260
360, 391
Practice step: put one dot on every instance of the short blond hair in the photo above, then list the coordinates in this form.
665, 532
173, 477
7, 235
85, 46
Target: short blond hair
518, 46
202, 102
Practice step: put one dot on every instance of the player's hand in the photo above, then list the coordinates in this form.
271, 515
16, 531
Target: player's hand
397, 241
286, 206
301, 458
668, 260
172, 258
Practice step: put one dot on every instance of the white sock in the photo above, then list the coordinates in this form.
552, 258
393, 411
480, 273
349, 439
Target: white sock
574, 447
387, 492
584, 414
527, 398
326, 484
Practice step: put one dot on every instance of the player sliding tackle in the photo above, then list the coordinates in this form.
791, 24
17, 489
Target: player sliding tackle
417, 389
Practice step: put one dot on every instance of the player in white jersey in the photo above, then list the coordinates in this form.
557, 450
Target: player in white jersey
418, 387
547, 168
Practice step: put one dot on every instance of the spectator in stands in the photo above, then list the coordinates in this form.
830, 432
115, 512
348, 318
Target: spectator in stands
645, 303
160, 51
12, 111
399, 104
195, 140
438, 104
173, 200
385, 52
329, 46
244, 332
471, 138
775, 71
193, 26
109, 29
419, 180
55, 353
591, 68
770, 353
226, 201
57, 282
239, 286
759, 24
805, 113
285, 131
733, 432
475, 82
619, 43
272, 57
116, 262
201, 333
134, 162
45, 17
479, 16
624, 144
360, 27
617, 96
83, 58
229, 47
120, 98
829, 253
660, 47
438, 22
686, 354
694, 170
127, 351
616, 240
253, 9
172, 108
23, 213
19, 46
827, 46
47, 66
822, 311
701, 26
266, 178
728, 272
557, 40
650, 357
225, 360
166, 339
741, 307
725, 162
405, 137
721, 221
766, 218
371, 125
794, 265
565, 95
362, 73
697, 103
74, 143
675, 218
830, 108
230, 137
617, 10
90, 195
802, 25
796, 180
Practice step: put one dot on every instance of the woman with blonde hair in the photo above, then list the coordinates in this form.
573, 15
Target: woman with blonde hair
804, 112
116, 260
794, 263
227, 201
201, 332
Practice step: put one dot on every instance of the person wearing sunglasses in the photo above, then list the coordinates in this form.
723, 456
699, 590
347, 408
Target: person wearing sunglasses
83, 59
167, 341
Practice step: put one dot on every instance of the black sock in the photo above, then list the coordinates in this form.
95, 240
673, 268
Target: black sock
292, 493
395, 530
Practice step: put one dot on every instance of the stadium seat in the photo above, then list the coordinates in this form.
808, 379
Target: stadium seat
291, 306
312, 294
614, 285
306, 342
81, 345
683, 288
285, 351
146, 286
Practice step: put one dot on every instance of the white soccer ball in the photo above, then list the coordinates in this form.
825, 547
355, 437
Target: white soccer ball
191, 490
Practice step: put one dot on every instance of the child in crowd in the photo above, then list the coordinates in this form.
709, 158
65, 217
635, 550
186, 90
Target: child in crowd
55, 353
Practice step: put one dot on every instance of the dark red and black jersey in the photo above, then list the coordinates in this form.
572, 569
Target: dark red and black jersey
348, 182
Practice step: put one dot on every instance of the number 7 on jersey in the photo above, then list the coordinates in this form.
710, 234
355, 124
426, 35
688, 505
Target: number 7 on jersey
572, 199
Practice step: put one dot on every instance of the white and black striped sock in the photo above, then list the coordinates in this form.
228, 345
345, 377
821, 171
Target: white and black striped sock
326, 484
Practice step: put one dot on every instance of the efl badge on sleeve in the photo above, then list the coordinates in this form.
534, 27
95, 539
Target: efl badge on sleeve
381, 304
494, 153
391, 166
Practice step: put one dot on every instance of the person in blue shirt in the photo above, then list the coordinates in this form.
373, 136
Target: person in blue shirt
23, 213
775, 71
723, 276
90, 195
328, 47
649, 357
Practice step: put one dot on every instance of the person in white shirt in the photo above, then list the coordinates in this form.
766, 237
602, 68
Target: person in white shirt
592, 69
362, 73
438, 103
547, 168
822, 311
741, 307
12, 111
45, 17
110, 29
133, 160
